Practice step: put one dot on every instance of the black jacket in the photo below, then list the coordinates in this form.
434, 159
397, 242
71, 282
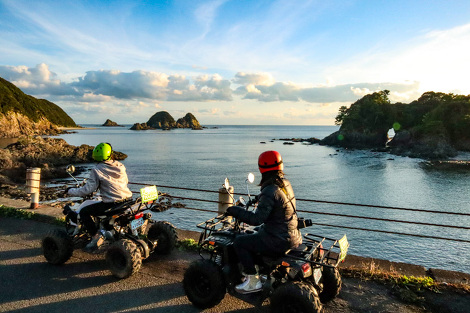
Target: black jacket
276, 213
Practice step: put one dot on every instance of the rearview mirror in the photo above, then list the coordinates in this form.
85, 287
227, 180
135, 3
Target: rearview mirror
70, 169
251, 178
226, 184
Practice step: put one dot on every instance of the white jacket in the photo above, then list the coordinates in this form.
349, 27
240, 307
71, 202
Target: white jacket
110, 178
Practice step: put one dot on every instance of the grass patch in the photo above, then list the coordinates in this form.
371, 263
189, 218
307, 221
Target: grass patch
187, 244
17, 213
29, 215
397, 281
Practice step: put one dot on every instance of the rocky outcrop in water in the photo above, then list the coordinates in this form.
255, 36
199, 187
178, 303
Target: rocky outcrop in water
188, 121
141, 126
110, 123
164, 120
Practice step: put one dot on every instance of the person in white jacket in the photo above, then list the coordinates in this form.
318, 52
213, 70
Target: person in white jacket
110, 178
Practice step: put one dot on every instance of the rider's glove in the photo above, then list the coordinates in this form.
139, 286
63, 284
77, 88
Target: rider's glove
232, 211
67, 190
253, 201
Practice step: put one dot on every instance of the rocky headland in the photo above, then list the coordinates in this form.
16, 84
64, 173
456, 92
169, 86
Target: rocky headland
434, 127
164, 120
21, 114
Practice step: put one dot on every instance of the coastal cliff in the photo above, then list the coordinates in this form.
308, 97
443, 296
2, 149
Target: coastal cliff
21, 114
435, 126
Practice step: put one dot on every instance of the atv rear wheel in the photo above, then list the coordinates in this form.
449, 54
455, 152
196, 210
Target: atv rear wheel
295, 297
123, 258
331, 284
204, 284
57, 247
164, 234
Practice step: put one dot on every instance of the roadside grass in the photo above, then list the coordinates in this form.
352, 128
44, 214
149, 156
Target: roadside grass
408, 288
28, 215
187, 244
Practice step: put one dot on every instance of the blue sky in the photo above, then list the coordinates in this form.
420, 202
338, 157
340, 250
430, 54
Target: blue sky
231, 62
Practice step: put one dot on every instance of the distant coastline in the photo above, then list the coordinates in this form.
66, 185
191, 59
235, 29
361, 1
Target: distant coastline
75, 128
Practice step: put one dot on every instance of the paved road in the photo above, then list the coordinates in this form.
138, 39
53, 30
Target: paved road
83, 284
29, 284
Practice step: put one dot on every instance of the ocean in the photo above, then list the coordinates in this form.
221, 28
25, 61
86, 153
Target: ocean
201, 159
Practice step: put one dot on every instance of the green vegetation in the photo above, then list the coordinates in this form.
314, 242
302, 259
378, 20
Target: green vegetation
369, 114
415, 284
436, 119
188, 244
28, 215
12, 99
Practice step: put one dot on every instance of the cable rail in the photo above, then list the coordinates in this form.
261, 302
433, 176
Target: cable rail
324, 201
338, 214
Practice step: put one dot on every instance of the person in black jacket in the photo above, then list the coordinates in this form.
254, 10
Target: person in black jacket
275, 213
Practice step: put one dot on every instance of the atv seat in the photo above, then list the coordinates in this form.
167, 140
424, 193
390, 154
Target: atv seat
119, 207
273, 260
299, 251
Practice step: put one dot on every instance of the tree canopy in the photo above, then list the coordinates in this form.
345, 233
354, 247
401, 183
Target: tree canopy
433, 114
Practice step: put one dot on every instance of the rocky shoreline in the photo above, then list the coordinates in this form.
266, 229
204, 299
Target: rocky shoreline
427, 154
49, 154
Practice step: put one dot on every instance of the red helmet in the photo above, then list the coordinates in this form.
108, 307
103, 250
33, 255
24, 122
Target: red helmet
270, 161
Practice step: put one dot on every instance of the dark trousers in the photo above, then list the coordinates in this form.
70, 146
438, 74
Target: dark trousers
247, 246
95, 209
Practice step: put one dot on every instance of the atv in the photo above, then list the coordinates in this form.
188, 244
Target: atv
130, 234
301, 280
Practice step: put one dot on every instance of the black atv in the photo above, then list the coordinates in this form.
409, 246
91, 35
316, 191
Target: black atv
300, 281
130, 235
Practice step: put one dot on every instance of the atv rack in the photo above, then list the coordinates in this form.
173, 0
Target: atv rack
218, 223
316, 250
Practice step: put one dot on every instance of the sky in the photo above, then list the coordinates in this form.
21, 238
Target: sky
247, 62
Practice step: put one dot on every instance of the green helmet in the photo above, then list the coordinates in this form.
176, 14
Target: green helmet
102, 152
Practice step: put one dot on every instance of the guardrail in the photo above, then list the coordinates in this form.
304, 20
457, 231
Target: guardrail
349, 216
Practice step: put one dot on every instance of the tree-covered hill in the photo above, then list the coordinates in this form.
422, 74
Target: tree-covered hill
434, 126
13, 100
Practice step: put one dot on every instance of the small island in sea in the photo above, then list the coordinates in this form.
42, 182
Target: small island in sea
164, 120
110, 123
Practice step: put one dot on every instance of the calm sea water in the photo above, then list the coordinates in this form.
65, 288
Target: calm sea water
202, 159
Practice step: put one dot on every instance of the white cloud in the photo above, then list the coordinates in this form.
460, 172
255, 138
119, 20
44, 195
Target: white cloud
438, 61
261, 79
105, 85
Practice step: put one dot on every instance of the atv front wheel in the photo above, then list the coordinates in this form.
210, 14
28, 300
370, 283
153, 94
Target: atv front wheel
331, 284
123, 258
204, 284
296, 297
57, 247
163, 234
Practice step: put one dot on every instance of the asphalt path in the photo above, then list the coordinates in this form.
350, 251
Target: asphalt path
84, 284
